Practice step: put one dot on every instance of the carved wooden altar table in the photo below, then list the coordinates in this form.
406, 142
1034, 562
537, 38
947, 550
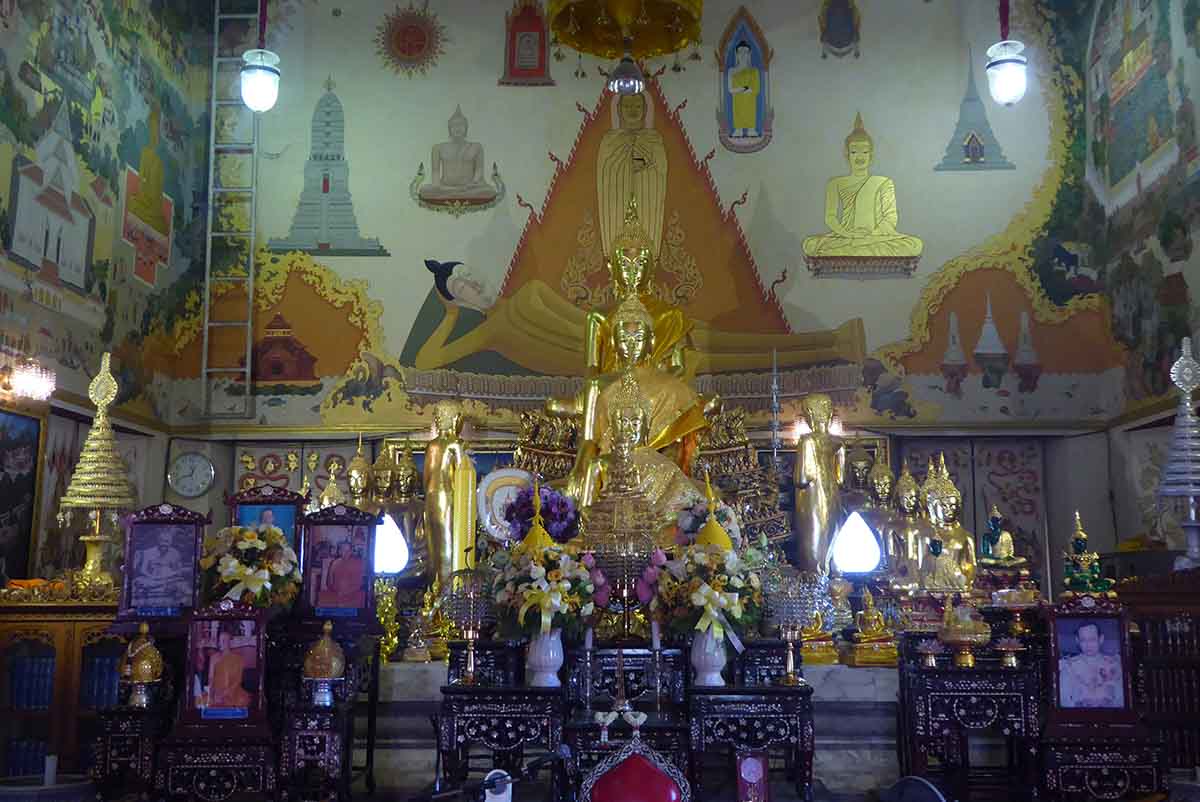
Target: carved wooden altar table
666, 733
502, 720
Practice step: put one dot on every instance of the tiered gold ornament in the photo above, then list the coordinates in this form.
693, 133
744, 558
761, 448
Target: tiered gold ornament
603, 27
100, 484
143, 666
324, 665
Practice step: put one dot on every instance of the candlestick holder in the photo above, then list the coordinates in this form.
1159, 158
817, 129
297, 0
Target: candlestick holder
468, 603
620, 703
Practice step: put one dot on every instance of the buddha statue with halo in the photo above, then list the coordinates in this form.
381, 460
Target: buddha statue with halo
631, 263
950, 564
817, 477
674, 412
872, 643
457, 167
860, 210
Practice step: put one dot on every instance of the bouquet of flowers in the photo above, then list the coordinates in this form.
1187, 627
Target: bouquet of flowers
541, 589
705, 587
690, 519
559, 515
255, 566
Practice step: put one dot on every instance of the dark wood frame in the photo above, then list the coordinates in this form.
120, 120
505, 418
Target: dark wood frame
190, 721
349, 517
170, 515
269, 496
41, 414
1095, 608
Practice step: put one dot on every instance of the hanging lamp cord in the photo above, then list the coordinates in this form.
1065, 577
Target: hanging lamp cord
1003, 19
262, 23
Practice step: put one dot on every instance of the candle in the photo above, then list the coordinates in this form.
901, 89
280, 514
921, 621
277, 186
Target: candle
655, 636
587, 638
51, 774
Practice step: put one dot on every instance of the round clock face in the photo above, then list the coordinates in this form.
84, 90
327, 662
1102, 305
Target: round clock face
191, 475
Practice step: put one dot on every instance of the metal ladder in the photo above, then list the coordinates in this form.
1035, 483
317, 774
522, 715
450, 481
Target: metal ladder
228, 142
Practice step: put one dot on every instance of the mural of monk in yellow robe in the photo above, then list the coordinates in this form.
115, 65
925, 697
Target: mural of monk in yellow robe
860, 210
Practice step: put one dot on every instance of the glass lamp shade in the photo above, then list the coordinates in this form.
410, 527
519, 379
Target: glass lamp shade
855, 549
1006, 72
31, 380
260, 79
391, 549
626, 79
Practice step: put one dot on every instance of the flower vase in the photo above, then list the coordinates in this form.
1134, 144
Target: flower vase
708, 658
543, 660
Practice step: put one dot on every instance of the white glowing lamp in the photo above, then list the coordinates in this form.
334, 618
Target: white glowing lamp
1006, 71
260, 79
31, 380
391, 549
627, 78
855, 549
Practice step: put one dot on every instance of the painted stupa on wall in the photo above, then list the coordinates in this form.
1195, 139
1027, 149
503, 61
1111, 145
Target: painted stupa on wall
324, 223
973, 145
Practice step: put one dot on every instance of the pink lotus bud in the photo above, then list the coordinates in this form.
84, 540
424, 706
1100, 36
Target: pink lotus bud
650, 575
601, 596
658, 558
644, 592
589, 560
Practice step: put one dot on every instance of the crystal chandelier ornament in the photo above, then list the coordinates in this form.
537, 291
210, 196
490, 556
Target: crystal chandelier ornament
31, 380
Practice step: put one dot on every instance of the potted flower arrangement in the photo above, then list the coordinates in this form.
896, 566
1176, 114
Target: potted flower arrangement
709, 593
254, 566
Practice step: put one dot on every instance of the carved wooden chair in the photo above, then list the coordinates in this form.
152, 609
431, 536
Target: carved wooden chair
635, 773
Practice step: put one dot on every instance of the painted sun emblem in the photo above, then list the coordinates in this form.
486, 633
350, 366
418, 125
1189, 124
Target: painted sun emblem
409, 40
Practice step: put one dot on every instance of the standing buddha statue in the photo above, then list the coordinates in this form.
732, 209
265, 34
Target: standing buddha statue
449, 495
951, 546
817, 476
1081, 567
907, 534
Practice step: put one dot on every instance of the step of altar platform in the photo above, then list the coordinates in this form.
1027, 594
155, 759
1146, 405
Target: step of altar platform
854, 718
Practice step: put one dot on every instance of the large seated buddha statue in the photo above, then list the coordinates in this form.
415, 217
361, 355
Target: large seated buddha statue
674, 413
861, 213
631, 267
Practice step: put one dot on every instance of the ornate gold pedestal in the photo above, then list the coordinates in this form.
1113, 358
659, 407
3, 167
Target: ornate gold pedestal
864, 655
818, 652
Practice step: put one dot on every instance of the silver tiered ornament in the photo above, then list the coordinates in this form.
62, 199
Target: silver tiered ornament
1181, 474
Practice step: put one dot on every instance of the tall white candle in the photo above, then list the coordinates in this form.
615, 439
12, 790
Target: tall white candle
51, 773
655, 636
587, 638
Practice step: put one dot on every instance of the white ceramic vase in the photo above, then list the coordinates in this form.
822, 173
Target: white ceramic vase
543, 660
708, 658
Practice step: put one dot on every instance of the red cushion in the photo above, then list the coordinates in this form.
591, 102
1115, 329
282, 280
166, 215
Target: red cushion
636, 779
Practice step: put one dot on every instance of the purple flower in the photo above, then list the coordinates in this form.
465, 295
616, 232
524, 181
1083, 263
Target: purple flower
589, 561
682, 538
598, 578
601, 595
650, 575
559, 515
644, 592
658, 558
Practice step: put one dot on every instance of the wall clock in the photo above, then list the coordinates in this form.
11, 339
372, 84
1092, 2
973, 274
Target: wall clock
191, 475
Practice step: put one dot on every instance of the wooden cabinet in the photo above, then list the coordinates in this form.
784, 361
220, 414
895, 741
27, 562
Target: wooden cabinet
58, 667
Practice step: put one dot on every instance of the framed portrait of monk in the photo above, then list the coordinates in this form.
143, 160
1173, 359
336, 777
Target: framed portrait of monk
263, 506
1090, 665
224, 672
337, 564
162, 553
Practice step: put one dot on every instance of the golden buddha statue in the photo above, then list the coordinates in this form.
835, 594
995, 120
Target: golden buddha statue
631, 264
856, 491
817, 476
632, 162
674, 412
358, 478
860, 209
950, 564
997, 544
407, 507
872, 643
816, 645
877, 512
906, 534
332, 495
449, 496
147, 203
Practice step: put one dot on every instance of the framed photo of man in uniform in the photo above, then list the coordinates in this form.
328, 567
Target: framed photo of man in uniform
162, 553
1090, 661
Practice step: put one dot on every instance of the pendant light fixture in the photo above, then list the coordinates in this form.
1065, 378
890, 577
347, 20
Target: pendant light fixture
627, 78
1006, 66
260, 72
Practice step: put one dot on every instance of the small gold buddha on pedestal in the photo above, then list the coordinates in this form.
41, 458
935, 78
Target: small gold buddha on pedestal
872, 644
816, 645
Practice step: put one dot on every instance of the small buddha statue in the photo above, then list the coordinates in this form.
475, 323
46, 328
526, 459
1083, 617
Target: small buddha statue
856, 490
449, 495
1081, 566
860, 209
951, 547
358, 478
907, 533
332, 495
817, 476
998, 554
816, 645
674, 411
872, 643
457, 167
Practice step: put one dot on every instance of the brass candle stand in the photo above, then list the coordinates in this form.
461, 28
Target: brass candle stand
793, 609
468, 603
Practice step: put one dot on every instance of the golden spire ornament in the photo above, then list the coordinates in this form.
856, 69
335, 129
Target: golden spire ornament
100, 483
537, 539
712, 533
